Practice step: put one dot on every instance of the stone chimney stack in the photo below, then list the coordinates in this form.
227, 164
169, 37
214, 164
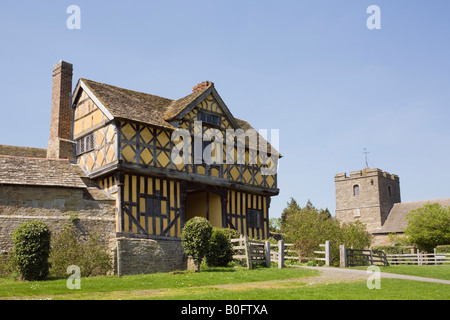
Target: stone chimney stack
60, 144
201, 86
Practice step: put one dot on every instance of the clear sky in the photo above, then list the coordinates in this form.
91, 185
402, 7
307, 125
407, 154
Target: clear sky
311, 69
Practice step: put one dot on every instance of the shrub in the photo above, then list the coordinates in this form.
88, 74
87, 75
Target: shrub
91, 256
428, 226
31, 243
443, 248
195, 239
392, 249
8, 267
220, 252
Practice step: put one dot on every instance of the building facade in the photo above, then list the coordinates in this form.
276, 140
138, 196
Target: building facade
372, 196
159, 162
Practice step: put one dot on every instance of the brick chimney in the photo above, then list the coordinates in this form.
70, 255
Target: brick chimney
60, 144
202, 86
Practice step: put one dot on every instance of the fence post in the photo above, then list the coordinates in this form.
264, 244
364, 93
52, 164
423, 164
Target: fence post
371, 257
418, 258
280, 254
435, 260
327, 253
247, 253
267, 253
343, 256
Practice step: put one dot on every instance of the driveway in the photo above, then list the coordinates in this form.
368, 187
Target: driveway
330, 275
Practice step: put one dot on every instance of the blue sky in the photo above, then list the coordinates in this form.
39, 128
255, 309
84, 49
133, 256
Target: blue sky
309, 68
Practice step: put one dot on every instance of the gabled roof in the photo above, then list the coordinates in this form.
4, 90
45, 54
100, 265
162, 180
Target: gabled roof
127, 104
120, 103
396, 220
38, 172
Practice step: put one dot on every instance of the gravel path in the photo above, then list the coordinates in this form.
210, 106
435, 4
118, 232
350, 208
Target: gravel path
329, 275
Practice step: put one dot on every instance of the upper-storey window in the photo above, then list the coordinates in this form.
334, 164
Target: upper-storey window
209, 118
356, 190
389, 191
85, 144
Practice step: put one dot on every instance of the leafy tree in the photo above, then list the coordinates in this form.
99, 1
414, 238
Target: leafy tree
274, 224
429, 226
195, 239
292, 208
308, 227
31, 249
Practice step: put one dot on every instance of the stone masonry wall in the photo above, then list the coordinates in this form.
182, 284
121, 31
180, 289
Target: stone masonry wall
141, 256
57, 207
378, 190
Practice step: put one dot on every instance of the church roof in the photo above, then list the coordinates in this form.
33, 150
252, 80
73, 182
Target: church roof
38, 172
396, 220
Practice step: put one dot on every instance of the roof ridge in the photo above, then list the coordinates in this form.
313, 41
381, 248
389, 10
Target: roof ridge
121, 88
32, 158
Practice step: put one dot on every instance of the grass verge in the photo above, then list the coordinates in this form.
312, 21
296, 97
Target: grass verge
175, 280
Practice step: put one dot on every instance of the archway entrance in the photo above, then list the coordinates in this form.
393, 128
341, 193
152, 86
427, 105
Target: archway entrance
204, 203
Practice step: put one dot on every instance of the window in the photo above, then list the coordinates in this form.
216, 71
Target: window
389, 192
209, 118
153, 205
85, 144
254, 218
356, 190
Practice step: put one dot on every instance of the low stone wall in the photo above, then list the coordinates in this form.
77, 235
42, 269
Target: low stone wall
142, 256
56, 207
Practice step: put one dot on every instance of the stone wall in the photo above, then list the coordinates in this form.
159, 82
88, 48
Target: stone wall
377, 192
142, 256
56, 206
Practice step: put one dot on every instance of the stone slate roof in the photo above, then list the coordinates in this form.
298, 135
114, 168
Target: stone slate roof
23, 151
38, 172
147, 108
396, 221
139, 106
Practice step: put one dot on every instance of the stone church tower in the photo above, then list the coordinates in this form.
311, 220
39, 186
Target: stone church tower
367, 196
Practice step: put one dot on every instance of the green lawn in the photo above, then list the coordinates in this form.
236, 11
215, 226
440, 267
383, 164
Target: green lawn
391, 289
234, 284
436, 272
108, 284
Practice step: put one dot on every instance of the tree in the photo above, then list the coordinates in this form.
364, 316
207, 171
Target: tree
428, 226
195, 239
308, 227
31, 249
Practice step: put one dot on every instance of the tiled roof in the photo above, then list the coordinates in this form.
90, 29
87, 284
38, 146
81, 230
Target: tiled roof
38, 172
139, 106
148, 108
396, 220
23, 151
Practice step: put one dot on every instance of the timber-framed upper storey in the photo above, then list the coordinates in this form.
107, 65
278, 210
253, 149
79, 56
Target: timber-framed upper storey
124, 140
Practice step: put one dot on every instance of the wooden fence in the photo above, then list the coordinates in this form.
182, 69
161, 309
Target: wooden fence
361, 257
420, 258
259, 252
252, 252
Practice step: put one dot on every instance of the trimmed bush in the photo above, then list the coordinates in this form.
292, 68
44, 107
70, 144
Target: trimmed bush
31, 243
220, 247
195, 239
